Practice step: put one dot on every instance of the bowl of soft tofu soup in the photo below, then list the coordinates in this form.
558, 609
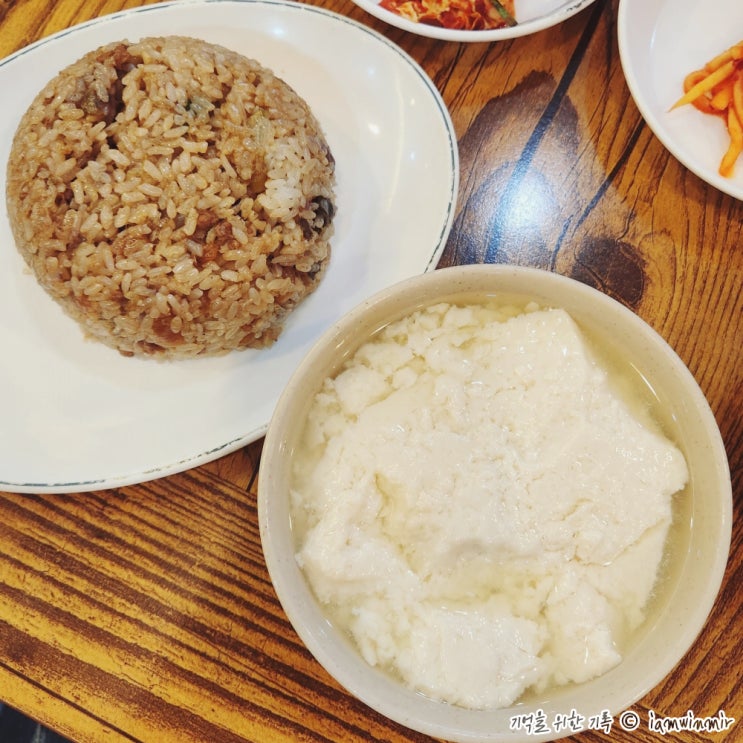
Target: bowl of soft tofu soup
495, 505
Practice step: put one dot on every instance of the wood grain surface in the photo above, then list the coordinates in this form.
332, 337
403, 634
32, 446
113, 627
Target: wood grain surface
145, 613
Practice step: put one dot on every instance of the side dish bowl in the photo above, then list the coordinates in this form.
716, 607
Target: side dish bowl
662, 41
532, 16
696, 557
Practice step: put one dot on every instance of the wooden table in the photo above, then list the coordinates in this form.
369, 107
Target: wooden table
146, 612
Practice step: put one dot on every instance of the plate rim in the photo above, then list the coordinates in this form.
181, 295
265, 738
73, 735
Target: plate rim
255, 431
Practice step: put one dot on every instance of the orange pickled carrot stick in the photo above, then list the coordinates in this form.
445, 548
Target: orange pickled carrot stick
734, 52
702, 103
721, 97
717, 89
693, 78
737, 101
705, 85
735, 129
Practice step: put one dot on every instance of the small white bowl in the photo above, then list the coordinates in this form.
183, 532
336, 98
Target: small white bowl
699, 553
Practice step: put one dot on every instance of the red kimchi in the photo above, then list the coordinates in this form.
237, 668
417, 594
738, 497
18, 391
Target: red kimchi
468, 15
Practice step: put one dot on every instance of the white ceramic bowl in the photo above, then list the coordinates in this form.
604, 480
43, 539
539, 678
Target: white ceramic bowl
700, 553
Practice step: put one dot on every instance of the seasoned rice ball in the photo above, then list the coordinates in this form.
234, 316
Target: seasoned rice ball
175, 197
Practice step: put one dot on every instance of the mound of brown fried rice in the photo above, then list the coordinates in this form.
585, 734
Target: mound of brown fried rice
173, 196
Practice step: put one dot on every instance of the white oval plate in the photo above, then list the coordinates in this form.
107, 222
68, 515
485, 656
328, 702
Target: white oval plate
76, 415
662, 41
532, 16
